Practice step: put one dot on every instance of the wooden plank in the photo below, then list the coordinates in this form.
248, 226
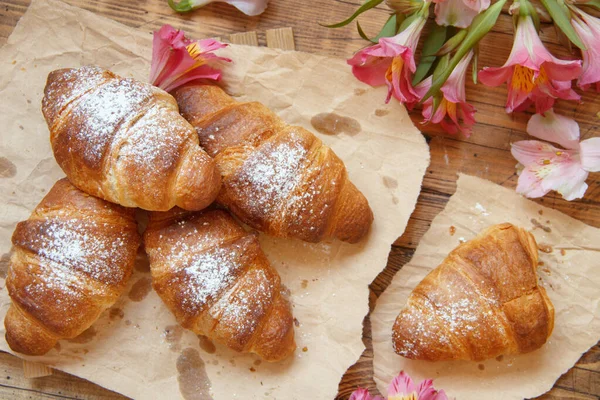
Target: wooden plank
35, 370
282, 38
59, 385
247, 38
485, 153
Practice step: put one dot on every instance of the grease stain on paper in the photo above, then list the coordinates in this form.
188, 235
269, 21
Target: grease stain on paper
115, 313
389, 182
206, 344
7, 168
332, 124
537, 224
381, 112
142, 264
545, 248
172, 335
4, 262
191, 376
85, 337
140, 289
360, 92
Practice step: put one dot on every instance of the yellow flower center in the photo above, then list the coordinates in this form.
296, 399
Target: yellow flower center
196, 53
523, 78
395, 66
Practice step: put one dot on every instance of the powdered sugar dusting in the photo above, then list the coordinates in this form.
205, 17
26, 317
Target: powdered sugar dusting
99, 114
73, 245
153, 144
241, 308
208, 274
271, 174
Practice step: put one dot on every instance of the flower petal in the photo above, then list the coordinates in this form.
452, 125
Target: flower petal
454, 87
177, 60
249, 7
401, 385
588, 30
495, 76
554, 128
590, 154
547, 168
454, 13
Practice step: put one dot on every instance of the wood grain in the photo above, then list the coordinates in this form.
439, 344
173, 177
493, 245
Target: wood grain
485, 154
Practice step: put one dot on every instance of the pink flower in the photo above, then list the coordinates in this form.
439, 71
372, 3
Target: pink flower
588, 29
533, 75
391, 62
545, 167
459, 13
248, 7
177, 59
363, 394
403, 388
453, 112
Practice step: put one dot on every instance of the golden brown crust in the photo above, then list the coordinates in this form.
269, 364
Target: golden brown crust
482, 301
216, 280
71, 260
124, 141
277, 178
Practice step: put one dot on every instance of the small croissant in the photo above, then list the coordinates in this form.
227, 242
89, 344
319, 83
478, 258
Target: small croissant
71, 260
216, 280
124, 141
482, 301
277, 178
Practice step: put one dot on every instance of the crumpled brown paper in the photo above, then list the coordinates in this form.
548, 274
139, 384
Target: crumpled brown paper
135, 348
570, 274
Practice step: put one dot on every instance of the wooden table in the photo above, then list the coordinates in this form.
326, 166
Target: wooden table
485, 154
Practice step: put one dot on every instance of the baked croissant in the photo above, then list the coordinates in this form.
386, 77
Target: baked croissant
216, 280
70, 261
482, 301
124, 141
277, 178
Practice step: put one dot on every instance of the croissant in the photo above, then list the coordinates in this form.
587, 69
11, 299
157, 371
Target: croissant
124, 141
277, 178
482, 301
216, 280
70, 261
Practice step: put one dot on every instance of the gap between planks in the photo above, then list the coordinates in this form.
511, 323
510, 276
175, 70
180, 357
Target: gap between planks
282, 38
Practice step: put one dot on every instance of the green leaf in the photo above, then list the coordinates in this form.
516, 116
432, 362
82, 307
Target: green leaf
407, 21
475, 62
181, 7
365, 7
388, 30
593, 3
452, 43
562, 18
432, 44
480, 26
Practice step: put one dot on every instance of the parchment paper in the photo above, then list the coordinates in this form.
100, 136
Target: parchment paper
570, 275
134, 348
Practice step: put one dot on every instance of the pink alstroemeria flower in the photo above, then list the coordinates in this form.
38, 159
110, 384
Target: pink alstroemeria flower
459, 13
544, 167
588, 29
453, 112
403, 388
532, 74
363, 394
177, 60
248, 7
391, 62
